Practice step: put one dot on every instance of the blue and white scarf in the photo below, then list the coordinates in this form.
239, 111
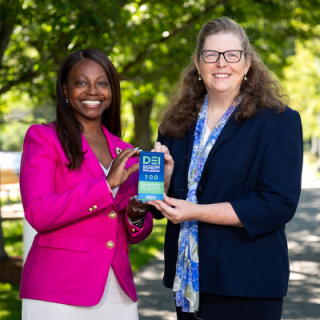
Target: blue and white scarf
186, 282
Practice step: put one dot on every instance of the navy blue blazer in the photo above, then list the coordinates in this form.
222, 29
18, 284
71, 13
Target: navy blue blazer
256, 166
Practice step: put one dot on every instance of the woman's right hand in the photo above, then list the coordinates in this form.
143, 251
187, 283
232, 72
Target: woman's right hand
118, 174
168, 164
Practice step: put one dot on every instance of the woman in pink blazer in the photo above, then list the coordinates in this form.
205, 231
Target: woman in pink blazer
79, 195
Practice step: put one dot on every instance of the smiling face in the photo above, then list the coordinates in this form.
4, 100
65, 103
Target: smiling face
222, 77
88, 91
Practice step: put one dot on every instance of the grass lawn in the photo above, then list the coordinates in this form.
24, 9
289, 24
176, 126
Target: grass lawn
10, 304
141, 253
12, 231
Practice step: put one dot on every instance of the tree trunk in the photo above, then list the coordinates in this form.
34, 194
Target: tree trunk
3, 254
142, 129
5, 36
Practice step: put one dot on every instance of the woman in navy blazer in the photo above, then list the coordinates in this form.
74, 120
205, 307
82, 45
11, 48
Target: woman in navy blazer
249, 185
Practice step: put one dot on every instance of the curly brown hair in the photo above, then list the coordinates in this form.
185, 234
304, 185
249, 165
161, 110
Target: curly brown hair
260, 90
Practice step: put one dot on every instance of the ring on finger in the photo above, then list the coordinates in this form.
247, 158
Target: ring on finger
135, 209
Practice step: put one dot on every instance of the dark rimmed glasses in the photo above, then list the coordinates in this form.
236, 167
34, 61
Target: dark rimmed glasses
212, 56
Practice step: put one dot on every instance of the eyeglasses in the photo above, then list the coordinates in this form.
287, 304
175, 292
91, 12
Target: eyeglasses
212, 56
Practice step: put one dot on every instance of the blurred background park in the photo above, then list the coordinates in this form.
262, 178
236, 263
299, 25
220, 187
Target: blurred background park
150, 42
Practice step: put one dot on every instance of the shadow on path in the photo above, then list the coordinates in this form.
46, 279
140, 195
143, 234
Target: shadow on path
303, 234
155, 301
303, 299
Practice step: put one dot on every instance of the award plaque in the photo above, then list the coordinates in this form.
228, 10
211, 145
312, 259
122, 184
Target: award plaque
151, 175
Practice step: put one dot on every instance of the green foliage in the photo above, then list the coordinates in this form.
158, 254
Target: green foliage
141, 253
149, 42
12, 136
10, 304
302, 82
12, 232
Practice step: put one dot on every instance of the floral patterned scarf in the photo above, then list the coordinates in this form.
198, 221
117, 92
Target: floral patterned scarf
186, 282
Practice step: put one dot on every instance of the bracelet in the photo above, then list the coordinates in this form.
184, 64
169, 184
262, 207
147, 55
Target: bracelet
139, 223
142, 219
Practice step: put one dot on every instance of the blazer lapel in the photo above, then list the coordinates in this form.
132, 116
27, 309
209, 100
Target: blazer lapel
190, 137
229, 129
92, 164
90, 160
113, 143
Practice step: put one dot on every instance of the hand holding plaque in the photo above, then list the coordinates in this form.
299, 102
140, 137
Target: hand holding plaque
168, 164
118, 174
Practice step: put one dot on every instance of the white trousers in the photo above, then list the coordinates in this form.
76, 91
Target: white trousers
114, 305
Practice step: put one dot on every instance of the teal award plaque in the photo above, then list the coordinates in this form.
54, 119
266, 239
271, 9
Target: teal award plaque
151, 176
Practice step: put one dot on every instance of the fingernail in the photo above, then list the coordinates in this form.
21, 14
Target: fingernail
136, 148
143, 201
140, 150
135, 197
138, 200
131, 198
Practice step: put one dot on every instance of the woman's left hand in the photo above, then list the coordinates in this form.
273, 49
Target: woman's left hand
118, 174
168, 164
137, 209
176, 210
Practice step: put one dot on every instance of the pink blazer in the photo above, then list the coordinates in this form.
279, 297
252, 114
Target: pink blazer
71, 255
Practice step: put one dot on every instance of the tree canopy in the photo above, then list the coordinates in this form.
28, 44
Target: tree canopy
302, 82
149, 42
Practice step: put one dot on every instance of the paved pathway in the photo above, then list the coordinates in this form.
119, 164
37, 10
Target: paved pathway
155, 301
303, 299
303, 233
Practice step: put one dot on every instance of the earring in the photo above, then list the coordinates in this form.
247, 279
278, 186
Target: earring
67, 101
199, 77
245, 77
